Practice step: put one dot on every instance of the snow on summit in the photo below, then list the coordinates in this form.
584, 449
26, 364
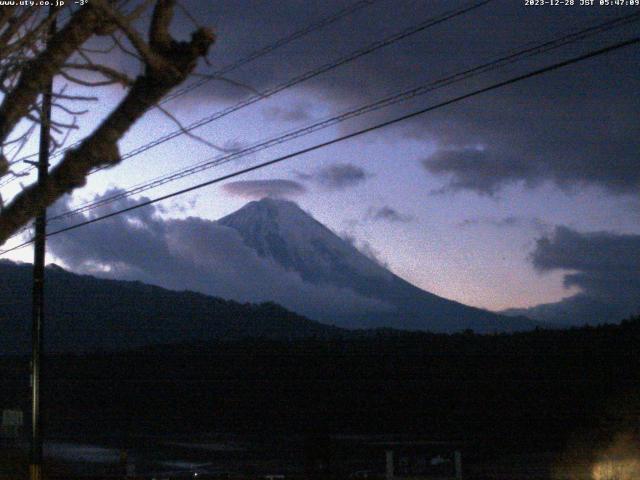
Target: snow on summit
279, 230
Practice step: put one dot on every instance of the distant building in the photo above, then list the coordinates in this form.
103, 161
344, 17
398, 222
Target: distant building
422, 459
387, 456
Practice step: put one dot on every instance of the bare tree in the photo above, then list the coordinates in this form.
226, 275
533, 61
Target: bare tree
28, 63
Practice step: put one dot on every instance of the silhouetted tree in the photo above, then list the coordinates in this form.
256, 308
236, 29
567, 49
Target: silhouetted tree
28, 62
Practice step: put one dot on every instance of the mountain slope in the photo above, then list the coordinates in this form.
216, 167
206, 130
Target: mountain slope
577, 310
324, 273
85, 313
282, 231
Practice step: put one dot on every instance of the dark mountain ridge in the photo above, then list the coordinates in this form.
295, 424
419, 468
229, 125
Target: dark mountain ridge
85, 313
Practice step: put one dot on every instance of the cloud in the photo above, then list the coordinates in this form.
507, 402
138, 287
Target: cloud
541, 130
495, 222
480, 169
295, 113
389, 214
604, 266
337, 176
194, 254
257, 189
510, 221
364, 247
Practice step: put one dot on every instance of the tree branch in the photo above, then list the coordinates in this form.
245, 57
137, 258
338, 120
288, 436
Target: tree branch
148, 52
38, 72
100, 149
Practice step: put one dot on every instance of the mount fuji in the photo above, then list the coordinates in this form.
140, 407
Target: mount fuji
225, 279
280, 231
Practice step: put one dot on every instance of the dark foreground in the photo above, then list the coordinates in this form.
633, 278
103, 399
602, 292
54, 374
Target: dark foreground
538, 405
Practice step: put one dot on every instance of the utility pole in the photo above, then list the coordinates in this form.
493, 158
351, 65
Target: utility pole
35, 463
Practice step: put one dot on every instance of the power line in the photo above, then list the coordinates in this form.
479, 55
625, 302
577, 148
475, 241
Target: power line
403, 96
270, 48
323, 22
385, 102
372, 47
519, 78
433, 21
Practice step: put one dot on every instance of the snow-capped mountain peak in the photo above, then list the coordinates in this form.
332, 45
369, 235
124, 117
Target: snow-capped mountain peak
281, 231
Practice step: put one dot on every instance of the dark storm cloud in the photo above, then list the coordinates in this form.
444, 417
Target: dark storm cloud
257, 189
389, 214
574, 127
193, 254
604, 266
337, 176
477, 169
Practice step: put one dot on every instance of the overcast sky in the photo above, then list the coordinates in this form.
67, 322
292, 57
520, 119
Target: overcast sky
492, 201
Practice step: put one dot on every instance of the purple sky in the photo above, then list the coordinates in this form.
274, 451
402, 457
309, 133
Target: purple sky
456, 201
